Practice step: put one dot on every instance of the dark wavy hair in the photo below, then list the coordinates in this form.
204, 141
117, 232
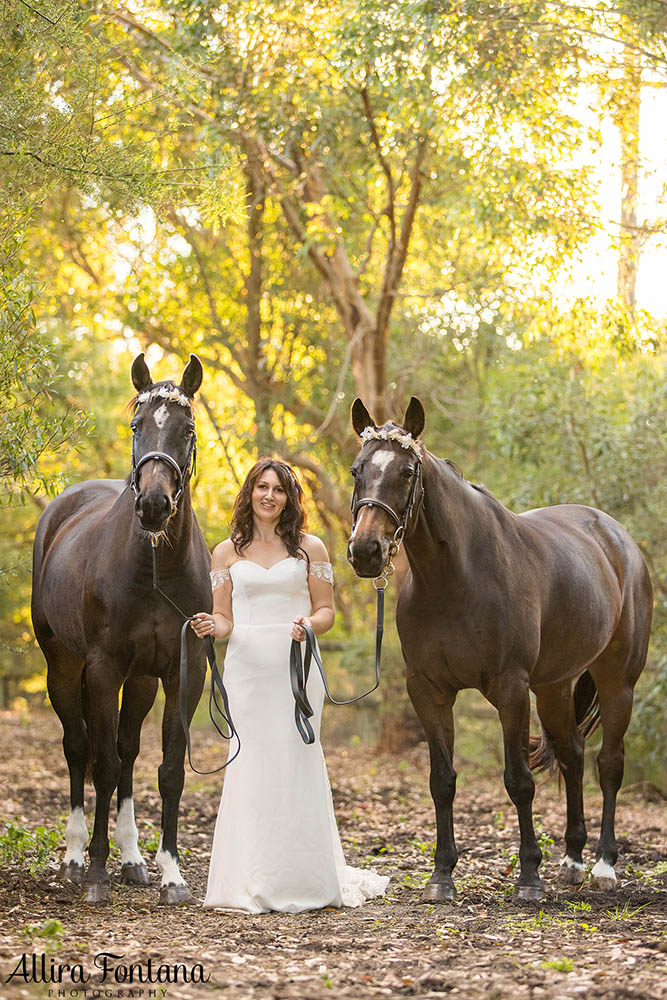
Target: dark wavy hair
292, 523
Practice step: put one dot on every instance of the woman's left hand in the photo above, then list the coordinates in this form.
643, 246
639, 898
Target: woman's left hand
296, 631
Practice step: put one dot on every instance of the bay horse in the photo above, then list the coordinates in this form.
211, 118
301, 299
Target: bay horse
103, 628
556, 600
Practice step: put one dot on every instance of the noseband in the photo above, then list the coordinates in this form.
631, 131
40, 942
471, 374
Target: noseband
182, 474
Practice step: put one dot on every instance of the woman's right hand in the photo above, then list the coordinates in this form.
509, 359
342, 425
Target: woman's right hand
203, 624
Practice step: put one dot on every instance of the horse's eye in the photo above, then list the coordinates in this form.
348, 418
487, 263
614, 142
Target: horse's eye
354, 473
408, 473
134, 426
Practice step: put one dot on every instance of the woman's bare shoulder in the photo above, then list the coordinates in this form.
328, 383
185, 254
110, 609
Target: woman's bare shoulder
315, 548
223, 555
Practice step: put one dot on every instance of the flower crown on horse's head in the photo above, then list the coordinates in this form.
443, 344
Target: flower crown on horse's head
170, 392
392, 434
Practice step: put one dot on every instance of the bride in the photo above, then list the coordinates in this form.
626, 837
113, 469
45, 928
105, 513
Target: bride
276, 844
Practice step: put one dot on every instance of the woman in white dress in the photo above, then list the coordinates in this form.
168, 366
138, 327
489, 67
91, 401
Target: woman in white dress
276, 844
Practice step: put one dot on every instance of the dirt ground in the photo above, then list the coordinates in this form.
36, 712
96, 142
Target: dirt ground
576, 944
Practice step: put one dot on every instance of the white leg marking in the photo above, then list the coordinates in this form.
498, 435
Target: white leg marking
603, 872
161, 416
569, 862
168, 865
127, 835
76, 837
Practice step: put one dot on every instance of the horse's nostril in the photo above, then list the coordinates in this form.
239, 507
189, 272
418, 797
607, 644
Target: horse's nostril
167, 504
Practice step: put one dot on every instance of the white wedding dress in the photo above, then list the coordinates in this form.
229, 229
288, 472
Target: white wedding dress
276, 844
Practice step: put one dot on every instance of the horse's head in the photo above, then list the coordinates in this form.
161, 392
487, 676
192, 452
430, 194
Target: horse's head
163, 445
387, 486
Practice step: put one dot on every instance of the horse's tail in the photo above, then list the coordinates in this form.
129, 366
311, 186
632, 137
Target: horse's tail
542, 756
85, 703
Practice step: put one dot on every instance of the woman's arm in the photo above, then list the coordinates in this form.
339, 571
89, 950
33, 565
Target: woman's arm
322, 615
220, 623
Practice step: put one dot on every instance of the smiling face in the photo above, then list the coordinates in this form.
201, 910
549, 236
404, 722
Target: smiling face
268, 497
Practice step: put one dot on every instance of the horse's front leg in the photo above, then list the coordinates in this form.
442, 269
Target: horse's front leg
138, 696
171, 777
103, 684
514, 709
434, 708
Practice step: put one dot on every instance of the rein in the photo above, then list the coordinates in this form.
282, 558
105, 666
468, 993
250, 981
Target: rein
217, 687
299, 670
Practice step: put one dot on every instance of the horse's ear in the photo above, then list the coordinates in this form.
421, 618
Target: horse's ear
361, 418
141, 377
192, 376
414, 418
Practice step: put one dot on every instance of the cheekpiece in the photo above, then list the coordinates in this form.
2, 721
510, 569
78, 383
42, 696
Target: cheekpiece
164, 392
400, 437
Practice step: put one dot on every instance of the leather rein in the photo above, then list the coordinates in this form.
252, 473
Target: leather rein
217, 687
300, 670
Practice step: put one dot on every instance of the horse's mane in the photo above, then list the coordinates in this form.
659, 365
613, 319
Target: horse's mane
453, 467
432, 507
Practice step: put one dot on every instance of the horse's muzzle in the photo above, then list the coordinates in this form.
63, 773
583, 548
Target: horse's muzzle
154, 511
367, 555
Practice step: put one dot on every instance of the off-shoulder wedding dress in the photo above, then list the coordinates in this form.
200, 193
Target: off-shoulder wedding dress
276, 844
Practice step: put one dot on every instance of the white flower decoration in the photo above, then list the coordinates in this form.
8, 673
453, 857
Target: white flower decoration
400, 437
164, 392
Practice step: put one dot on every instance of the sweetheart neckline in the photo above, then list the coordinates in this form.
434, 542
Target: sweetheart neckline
267, 569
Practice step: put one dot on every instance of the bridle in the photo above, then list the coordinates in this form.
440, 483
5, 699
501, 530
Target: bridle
414, 502
182, 474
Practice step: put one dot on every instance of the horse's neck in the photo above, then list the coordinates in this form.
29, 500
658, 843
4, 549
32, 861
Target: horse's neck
452, 520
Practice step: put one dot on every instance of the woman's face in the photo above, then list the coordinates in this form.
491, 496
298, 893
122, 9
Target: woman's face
268, 497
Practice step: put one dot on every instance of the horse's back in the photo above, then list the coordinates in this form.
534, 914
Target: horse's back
590, 527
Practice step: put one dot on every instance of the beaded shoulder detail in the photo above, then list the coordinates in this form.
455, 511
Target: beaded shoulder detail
322, 570
219, 577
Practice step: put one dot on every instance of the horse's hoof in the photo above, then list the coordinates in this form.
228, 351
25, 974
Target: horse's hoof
571, 873
71, 871
97, 892
438, 892
603, 875
134, 874
176, 895
529, 893
604, 883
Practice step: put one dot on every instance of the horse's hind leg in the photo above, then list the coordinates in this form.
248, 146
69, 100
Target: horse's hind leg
615, 674
555, 707
64, 686
434, 708
138, 696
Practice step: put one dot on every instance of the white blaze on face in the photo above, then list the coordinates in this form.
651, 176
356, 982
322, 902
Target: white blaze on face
127, 835
76, 837
161, 416
381, 459
168, 865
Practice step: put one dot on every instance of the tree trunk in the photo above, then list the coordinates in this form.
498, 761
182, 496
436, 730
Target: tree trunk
626, 119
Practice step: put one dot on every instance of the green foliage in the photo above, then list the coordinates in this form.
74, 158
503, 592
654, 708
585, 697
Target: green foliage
560, 965
24, 849
29, 374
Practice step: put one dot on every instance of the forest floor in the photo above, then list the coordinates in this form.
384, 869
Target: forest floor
585, 943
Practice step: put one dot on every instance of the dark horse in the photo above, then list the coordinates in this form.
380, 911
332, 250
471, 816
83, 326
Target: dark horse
103, 628
556, 600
